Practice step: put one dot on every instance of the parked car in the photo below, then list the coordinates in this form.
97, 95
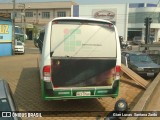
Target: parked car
7, 103
138, 40
141, 63
19, 47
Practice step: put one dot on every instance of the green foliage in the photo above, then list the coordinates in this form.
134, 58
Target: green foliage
35, 31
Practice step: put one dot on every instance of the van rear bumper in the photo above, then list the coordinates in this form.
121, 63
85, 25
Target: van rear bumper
95, 92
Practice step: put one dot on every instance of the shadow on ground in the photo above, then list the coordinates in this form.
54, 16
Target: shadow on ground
28, 98
136, 97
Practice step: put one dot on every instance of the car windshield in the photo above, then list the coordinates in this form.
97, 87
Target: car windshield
140, 58
19, 43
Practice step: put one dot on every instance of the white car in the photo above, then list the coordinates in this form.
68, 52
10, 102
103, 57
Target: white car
19, 47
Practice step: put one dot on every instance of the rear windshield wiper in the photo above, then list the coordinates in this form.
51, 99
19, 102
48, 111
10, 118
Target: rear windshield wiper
51, 54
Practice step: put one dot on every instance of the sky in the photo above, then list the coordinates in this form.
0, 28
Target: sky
88, 1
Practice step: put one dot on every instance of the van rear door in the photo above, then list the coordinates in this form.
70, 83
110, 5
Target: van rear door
84, 53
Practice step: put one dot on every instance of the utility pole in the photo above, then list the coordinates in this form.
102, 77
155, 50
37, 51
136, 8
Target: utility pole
13, 24
24, 11
24, 18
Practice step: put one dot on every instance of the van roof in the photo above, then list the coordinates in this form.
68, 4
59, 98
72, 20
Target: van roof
81, 18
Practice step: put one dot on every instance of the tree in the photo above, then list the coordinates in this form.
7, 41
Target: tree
35, 31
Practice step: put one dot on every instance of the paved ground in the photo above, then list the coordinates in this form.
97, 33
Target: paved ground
21, 73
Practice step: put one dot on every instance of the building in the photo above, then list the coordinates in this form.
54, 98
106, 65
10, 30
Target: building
5, 35
137, 14
37, 14
129, 18
117, 13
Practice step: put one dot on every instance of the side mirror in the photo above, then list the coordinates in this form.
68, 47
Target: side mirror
40, 45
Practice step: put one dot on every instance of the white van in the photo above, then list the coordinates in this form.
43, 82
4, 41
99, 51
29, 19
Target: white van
80, 58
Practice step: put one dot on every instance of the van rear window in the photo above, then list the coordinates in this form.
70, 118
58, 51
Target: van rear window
83, 38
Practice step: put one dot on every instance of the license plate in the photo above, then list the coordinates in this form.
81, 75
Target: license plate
84, 93
150, 74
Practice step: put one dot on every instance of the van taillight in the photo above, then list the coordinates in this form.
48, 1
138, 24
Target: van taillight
47, 73
118, 69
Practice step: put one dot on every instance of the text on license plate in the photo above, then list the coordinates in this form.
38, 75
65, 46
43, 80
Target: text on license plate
150, 74
84, 93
